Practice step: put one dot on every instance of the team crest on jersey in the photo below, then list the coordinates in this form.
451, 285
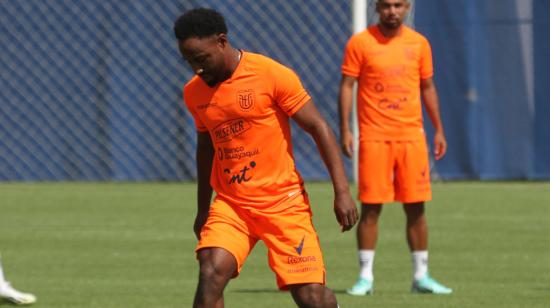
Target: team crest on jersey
246, 99
410, 53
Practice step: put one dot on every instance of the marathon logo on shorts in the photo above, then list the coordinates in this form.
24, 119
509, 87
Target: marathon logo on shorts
303, 269
424, 177
230, 129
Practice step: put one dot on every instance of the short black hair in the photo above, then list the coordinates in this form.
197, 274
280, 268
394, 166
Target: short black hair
199, 22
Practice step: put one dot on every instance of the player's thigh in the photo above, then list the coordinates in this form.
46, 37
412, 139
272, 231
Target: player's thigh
412, 173
376, 163
294, 250
226, 228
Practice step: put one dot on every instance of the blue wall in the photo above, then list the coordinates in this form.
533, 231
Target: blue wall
495, 111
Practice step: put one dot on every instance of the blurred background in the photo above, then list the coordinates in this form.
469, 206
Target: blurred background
92, 90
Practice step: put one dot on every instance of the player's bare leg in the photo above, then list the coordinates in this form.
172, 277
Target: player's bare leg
367, 235
313, 295
217, 266
367, 229
417, 228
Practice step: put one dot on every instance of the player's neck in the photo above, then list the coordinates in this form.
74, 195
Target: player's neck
235, 56
390, 32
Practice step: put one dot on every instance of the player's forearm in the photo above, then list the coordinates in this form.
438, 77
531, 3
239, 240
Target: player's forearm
204, 197
328, 148
432, 108
431, 102
204, 158
345, 102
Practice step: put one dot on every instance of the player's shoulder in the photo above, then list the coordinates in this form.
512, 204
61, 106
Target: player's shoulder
260, 62
412, 34
262, 65
192, 88
364, 38
192, 83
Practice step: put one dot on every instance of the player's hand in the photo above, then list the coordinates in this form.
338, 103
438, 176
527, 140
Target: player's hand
347, 143
440, 145
200, 220
346, 211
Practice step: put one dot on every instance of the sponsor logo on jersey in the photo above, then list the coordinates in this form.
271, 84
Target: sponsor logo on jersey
230, 129
236, 153
393, 104
241, 175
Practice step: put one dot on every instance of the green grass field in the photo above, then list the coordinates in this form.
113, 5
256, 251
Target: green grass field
131, 245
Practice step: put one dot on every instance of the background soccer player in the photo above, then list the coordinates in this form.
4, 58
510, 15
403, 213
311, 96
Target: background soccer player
241, 103
10, 294
393, 66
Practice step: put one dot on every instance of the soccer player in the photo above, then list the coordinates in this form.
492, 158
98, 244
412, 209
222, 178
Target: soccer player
241, 103
10, 294
393, 67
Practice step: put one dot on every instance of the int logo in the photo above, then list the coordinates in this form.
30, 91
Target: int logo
241, 175
246, 99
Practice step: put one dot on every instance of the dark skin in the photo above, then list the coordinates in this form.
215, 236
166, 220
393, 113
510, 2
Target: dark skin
392, 13
214, 60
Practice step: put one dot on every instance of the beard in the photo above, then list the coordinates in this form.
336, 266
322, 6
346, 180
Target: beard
393, 23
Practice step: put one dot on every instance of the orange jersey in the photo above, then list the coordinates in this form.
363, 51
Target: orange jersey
389, 72
247, 117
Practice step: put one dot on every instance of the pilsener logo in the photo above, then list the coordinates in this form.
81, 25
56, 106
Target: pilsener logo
230, 129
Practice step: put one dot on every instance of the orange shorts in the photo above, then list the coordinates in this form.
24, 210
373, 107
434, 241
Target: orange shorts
394, 171
293, 247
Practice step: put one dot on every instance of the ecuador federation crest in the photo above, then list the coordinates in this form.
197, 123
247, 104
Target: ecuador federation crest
246, 99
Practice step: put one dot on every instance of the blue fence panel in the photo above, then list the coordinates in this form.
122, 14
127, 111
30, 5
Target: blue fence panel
91, 90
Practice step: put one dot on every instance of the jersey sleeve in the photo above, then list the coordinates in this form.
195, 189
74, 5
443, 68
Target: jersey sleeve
199, 125
426, 62
289, 93
353, 57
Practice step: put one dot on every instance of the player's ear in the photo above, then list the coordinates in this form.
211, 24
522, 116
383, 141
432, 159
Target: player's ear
407, 5
222, 39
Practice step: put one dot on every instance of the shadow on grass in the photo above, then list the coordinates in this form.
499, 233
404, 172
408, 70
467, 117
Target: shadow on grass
4, 302
339, 291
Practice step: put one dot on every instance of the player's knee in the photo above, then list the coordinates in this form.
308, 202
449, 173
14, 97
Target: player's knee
212, 274
313, 295
216, 268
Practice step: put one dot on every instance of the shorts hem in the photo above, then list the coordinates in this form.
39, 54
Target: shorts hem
400, 200
285, 287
